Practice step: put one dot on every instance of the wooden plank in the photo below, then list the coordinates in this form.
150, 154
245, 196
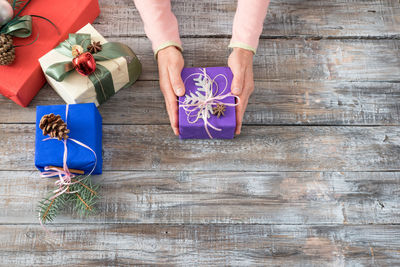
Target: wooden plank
298, 148
232, 245
290, 60
283, 60
167, 201
338, 18
277, 103
219, 197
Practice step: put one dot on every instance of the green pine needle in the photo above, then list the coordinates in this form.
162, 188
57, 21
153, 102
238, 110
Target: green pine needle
82, 201
86, 197
49, 208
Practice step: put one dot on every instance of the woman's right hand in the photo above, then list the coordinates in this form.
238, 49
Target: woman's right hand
170, 65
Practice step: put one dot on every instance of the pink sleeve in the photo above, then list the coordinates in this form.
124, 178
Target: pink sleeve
160, 24
248, 23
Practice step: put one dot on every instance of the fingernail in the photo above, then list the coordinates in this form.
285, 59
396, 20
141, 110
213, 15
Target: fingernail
238, 130
179, 91
236, 90
175, 130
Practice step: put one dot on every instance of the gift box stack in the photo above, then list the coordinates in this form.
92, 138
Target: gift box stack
86, 70
83, 68
58, 44
23, 79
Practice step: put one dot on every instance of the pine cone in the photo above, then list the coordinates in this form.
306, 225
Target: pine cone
7, 50
54, 126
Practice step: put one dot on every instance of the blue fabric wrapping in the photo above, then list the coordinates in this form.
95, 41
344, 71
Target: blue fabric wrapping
85, 124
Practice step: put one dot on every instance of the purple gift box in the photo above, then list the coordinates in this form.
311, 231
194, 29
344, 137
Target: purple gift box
205, 88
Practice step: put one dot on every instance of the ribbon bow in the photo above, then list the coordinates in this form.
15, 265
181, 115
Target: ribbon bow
21, 27
199, 106
101, 78
18, 27
64, 174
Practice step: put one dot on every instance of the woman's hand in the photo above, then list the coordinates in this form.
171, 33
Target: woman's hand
241, 63
170, 65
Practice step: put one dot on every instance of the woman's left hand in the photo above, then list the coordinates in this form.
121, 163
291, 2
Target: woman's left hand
241, 63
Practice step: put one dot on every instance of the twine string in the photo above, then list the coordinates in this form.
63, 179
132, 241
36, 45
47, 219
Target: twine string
101, 84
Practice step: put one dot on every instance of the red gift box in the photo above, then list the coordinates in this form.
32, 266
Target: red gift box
22, 80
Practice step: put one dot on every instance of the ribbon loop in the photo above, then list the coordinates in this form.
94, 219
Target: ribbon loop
20, 27
60, 70
65, 48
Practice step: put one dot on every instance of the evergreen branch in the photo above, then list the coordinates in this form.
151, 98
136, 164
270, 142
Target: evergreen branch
85, 197
49, 208
88, 188
81, 195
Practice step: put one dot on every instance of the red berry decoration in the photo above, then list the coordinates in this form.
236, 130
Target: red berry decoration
85, 64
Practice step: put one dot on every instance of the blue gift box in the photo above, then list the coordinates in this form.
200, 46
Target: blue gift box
85, 125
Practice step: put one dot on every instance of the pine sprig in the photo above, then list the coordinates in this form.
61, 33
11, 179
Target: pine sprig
81, 196
49, 208
85, 198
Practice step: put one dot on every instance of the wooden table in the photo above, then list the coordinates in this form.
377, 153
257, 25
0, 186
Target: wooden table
312, 180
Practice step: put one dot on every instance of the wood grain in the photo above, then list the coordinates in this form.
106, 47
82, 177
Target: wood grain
294, 59
183, 245
314, 179
272, 103
263, 148
307, 198
286, 18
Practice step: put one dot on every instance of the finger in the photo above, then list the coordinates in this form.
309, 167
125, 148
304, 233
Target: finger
238, 79
170, 100
172, 109
244, 99
240, 109
176, 80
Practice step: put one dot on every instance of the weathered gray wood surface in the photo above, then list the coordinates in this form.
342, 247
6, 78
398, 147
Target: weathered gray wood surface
272, 103
309, 198
286, 18
293, 59
312, 181
154, 147
232, 244
290, 60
